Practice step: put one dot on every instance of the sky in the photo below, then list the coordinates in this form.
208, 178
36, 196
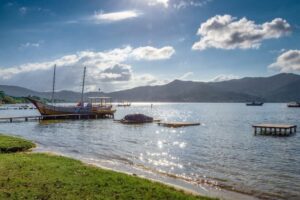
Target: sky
130, 43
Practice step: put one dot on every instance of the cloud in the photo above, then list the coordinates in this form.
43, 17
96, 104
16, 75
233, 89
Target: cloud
224, 77
117, 72
165, 3
116, 16
135, 81
9, 4
288, 61
152, 53
227, 32
277, 51
23, 10
186, 3
29, 44
186, 75
106, 68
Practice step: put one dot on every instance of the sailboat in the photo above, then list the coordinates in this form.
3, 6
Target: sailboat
96, 107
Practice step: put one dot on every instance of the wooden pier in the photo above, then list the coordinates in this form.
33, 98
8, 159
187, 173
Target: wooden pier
53, 117
274, 129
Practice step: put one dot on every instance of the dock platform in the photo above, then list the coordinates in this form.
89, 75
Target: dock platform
53, 117
274, 129
178, 124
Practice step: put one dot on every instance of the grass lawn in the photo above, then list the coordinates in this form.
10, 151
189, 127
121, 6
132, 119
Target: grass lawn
9, 144
44, 176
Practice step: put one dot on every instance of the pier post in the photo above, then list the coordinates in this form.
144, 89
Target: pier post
285, 132
280, 131
10, 120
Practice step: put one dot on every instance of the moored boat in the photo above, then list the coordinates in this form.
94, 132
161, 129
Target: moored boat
255, 103
294, 105
136, 119
124, 104
101, 109
96, 106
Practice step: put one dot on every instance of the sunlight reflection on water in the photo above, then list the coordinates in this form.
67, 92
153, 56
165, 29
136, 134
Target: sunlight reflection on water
222, 151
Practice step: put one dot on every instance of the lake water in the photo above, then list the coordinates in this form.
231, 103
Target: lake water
222, 153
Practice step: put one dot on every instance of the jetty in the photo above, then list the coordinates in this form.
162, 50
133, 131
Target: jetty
178, 124
54, 117
17, 108
274, 129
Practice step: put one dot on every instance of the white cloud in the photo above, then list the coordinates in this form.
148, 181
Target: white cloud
23, 10
227, 32
116, 16
224, 77
165, 3
277, 51
186, 3
186, 75
135, 81
288, 61
117, 72
104, 68
152, 53
29, 44
9, 4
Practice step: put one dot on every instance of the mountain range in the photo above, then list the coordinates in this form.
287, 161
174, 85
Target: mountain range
284, 87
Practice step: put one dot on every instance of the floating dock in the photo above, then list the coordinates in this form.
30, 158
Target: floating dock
178, 124
51, 117
274, 129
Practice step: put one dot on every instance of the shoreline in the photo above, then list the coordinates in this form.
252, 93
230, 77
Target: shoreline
179, 183
50, 175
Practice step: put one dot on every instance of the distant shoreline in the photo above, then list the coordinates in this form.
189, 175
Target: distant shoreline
280, 88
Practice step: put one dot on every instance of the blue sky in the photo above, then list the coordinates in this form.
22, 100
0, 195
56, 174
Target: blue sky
145, 42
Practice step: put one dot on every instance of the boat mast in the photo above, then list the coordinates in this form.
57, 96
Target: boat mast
53, 84
83, 81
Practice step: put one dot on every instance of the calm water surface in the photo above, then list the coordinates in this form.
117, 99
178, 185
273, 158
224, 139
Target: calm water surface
222, 151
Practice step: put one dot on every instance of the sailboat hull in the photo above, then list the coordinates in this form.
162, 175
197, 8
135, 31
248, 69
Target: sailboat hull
46, 110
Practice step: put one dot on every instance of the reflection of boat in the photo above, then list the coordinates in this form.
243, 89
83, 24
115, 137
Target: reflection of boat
124, 104
294, 105
255, 103
97, 106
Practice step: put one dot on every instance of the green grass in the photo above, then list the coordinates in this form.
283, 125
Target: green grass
44, 176
9, 144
